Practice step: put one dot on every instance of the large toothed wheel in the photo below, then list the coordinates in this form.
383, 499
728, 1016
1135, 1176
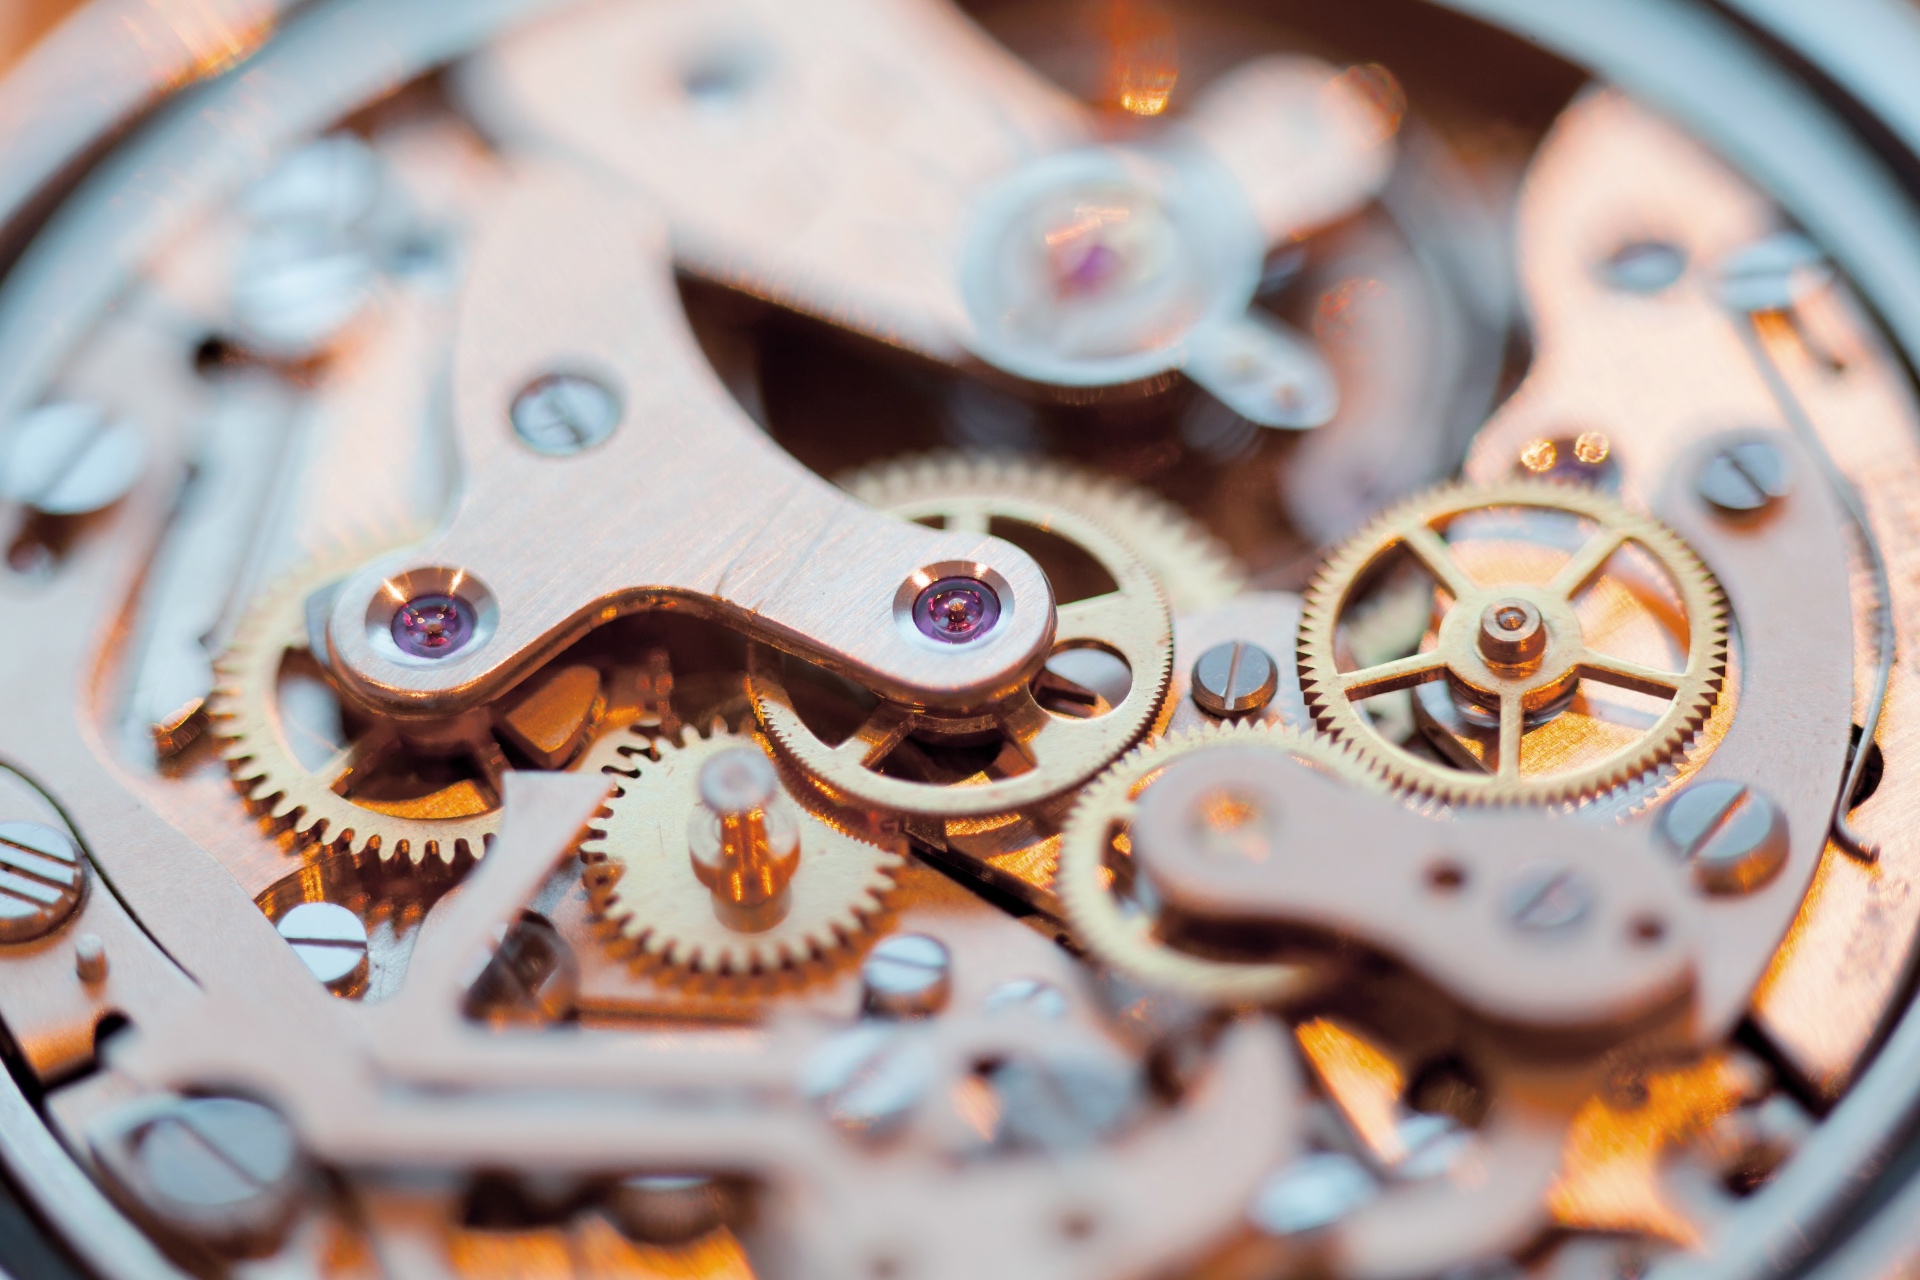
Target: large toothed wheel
1541, 592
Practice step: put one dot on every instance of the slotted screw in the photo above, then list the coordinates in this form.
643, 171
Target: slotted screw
1744, 478
1545, 898
565, 413
41, 877
906, 976
1733, 837
1236, 678
330, 940
70, 459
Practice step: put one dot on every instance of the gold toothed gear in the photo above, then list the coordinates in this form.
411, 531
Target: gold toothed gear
641, 881
453, 822
1518, 693
1122, 935
1195, 568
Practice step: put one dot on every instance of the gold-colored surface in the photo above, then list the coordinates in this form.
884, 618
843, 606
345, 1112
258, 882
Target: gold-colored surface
314, 804
1574, 654
1365, 1083
1045, 752
1610, 1177
1663, 376
1194, 568
1119, 932
642, 879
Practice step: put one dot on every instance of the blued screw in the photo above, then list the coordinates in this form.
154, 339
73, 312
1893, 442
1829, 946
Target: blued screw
1236, 678
41, 877
565, 413
1545, 898
906, 976
1733, 837
330, 940
1743, 478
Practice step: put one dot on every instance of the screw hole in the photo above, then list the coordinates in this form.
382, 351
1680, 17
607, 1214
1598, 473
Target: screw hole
1076, 1224
1647, 930
1446, 877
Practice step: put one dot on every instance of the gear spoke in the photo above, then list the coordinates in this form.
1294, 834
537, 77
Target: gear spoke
1586, 562
1096, 617
1513, 724
1511, 679
1432, 552
1625, 674
968, 520
351, 762
884, 730
1385, 677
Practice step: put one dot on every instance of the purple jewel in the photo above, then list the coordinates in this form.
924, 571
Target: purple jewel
1088, 271
433, 626
956, 610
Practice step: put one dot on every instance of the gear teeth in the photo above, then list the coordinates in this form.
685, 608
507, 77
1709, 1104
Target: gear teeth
1333, 713
243, 712
654, 910
1195, 568
1118, 939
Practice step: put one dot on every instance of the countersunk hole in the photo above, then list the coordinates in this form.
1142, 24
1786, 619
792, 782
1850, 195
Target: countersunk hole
1647, 930
1076, 1224
1446, 877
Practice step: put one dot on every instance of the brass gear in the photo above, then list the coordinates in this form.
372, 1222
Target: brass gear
244, 709
1195, 568
1056, 752
1512, 691
1124, 939
640, 879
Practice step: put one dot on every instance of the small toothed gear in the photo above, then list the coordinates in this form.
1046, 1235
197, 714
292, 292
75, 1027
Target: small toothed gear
1195, 568
1513, 652
455, 821
641, 877
1121, 933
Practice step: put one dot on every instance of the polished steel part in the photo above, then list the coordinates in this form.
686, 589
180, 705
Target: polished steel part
934, 1087
566, 275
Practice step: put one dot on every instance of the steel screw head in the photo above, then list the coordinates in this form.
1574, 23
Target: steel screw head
1545, 898
956, 610
225, 1173
870, 1078
907, 976
1062, 1101
1733, 837
1316, 1190
564, 414
1644, 266
1773, 274
41, 877
1744, 478
330, 940
433, 626
70, 459
1236, 678
1038, 999
1512, 633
